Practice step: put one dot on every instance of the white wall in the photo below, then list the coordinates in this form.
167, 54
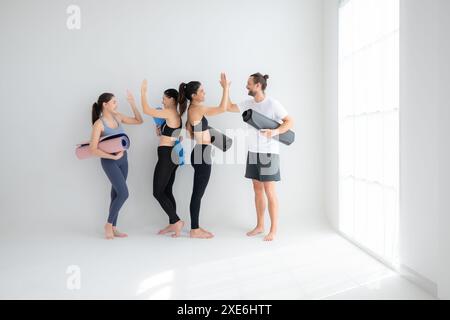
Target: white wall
424, 132
331, 45
424, 96
50, 77
443, 52
418, 137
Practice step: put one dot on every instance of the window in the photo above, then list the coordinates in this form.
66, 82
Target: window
369, 124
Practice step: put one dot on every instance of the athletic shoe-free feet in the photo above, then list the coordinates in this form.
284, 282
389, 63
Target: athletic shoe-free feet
256, 231
173, 228
201, 234
119, 234
270, 236
109, 233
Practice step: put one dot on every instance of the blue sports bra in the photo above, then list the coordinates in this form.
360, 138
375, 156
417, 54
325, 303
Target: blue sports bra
110, 131
202, 126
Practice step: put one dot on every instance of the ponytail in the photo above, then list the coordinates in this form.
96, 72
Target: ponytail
96, 112
182, 101
185, 93
97, 107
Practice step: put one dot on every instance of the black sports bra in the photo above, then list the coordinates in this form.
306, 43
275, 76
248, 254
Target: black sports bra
168, 131
202, 126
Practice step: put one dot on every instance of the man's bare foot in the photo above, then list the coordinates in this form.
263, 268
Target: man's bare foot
270, 236
201, 234
175, 228
109, 233
256, 231
119, 234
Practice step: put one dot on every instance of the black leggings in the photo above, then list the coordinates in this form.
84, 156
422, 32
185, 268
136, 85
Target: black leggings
201, 161
163, 180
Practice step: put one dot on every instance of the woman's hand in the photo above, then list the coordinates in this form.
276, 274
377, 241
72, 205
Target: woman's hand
144, 86
224, 81
130, 98
158, 131
118, 156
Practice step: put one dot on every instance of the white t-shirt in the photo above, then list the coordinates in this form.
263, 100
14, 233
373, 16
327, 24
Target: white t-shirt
272, 109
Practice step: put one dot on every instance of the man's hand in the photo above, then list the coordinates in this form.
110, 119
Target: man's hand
269, 133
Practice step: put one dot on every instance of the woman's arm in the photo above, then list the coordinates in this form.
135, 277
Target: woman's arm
213, 111
93, 146
137, 115
189, 128
155, 113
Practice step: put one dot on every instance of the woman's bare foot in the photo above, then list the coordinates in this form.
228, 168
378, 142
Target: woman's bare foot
270, 236
201, 234
210, 233
109, 233
256, 231
175, 228
119, 234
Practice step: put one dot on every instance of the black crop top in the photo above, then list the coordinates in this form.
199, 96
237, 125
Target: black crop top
202, 126
168, 131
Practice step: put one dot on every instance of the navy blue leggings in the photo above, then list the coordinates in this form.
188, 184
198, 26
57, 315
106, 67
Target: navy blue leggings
117, 172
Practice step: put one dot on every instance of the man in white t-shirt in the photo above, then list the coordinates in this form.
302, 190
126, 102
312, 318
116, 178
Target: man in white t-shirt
263, 159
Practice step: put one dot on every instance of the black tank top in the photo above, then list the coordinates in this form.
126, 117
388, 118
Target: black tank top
168, 131
202, 126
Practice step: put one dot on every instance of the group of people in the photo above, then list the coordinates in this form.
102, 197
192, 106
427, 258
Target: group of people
263, 150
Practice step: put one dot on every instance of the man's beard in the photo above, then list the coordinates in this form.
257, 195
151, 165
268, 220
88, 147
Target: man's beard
251, 93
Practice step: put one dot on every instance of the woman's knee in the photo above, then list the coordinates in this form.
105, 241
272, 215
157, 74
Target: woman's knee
123, 193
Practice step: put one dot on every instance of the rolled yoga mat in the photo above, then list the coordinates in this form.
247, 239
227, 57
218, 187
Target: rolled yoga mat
219, 140
259, 121
110, 144
159, 121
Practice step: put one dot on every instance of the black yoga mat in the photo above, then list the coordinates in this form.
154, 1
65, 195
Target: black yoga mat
219, 140
259, 121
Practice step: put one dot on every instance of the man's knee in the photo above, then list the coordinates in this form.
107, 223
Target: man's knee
258, 187
269, 188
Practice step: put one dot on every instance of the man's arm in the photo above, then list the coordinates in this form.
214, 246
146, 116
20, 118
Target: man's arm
288, 123
232, 107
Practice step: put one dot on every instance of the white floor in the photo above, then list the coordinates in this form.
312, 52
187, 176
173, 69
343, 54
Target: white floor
307, 263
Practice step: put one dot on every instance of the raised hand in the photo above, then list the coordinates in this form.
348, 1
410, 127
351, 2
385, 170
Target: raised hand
144, 86
130, 97
224, 81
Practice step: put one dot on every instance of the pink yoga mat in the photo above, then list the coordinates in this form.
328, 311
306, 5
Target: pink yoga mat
110, 144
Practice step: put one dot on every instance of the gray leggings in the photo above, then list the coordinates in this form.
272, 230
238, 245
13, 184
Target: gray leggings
117, 172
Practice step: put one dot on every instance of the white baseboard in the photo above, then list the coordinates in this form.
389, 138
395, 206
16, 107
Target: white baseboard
419, 280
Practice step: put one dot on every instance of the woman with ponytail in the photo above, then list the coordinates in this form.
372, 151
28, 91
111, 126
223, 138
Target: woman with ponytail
197, 126
166, 167
107, 121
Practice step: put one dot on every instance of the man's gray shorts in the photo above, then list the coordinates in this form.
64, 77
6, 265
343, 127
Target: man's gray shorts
263, 167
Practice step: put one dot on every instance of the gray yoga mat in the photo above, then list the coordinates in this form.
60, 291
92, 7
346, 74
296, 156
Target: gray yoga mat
259, 121
219, 140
